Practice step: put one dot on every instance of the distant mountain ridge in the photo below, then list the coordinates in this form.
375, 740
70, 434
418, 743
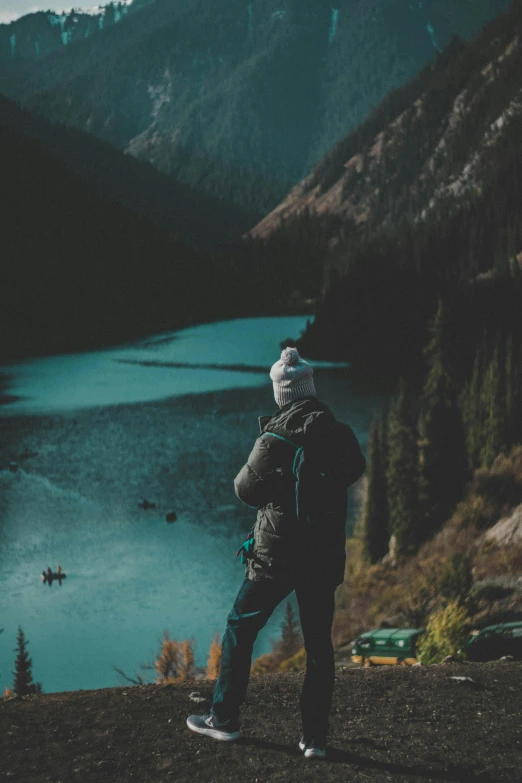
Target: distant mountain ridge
39, 33
236, 99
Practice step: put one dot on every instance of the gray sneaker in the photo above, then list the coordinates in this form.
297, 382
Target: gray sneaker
209, 725
313, 748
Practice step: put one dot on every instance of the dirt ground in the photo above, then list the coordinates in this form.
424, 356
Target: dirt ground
387, 724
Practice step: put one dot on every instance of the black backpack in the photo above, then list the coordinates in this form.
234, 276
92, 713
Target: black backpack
320, 486
320, 491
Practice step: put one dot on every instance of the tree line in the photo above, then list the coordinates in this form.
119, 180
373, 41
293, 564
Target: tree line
424, 449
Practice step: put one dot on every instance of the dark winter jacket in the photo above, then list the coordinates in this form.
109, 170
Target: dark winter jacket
284, 547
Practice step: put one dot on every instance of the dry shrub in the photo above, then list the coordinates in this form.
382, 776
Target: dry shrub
364, 598
497, 561
509, 463
269, 662
476, 511
297, 663
418, 589
445, 634
8, 693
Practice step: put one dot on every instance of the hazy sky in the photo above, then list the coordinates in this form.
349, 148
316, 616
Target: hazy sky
12, 9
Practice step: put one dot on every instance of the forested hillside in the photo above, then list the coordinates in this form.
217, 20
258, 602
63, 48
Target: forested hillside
178, 209
416, 219
421, 203
236, 99
40, 32
79, 269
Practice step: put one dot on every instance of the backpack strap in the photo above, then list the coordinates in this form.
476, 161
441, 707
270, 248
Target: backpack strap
295, 467
298, 452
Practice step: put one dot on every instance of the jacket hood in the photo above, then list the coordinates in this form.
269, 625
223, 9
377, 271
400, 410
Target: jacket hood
301, 420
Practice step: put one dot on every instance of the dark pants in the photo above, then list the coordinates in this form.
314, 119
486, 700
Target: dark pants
254, 604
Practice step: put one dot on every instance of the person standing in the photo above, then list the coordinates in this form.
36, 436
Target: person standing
297, 543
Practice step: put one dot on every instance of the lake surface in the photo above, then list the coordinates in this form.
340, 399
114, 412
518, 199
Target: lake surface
211, 357
171, 419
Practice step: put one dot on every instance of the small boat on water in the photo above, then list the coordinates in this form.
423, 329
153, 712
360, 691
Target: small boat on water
49, 575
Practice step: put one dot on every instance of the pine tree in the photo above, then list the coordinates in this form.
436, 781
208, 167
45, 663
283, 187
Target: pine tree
443, 467
375, 521
402, 474
291, 639
175, 662
383, 437
513, 391
187, 668
168, 663
214, 658
472, 412
493, 411
23, 678
510, 382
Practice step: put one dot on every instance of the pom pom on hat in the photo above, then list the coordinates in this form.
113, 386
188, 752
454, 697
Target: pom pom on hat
292, 377
290, 356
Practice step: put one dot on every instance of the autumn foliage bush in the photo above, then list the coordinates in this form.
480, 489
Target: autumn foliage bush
445, 634
175, 662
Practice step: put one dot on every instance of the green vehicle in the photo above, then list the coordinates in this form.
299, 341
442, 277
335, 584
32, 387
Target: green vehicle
494, 641
387, 645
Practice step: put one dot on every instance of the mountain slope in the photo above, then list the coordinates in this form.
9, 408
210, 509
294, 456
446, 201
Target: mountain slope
427, 147
239, 99
202, 221
78, 269
421, 202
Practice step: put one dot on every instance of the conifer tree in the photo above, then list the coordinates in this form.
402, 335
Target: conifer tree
493, 411
375, 519
291, 639
175, 662
188, 665
510, 382
402, 474
472, 412
214, 658
383, 437
23, 677
513, 391
443, 467
168, 663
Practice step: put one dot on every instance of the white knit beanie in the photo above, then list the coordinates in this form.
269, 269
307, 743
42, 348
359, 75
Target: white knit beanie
292, 377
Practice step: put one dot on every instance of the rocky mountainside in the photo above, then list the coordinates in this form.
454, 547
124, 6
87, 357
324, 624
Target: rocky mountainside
428, 148
419, 203
236, 98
